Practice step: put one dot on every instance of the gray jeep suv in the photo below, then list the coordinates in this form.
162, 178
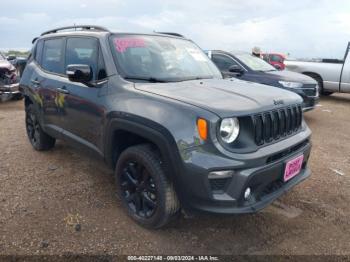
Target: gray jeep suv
157, 110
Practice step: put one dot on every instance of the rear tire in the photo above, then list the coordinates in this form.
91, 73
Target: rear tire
145, 190
37, 137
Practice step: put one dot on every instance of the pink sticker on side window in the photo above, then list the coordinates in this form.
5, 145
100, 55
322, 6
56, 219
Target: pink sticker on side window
122, 44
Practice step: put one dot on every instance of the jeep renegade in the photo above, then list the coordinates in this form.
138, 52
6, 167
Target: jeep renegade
158, 111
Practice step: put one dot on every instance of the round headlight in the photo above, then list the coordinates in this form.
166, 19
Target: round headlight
229, 129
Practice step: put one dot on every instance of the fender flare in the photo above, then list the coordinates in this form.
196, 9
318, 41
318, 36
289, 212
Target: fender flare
148, 130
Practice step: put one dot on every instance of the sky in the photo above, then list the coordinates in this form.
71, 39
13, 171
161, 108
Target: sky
304, 29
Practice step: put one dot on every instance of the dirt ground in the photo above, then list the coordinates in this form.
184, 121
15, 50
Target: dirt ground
44, 196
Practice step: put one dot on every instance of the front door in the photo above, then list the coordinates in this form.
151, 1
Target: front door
224, 62
83, 105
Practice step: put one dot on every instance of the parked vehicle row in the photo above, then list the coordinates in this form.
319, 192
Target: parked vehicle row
18, 62
332, 76
9, 81
157, 110
247, 67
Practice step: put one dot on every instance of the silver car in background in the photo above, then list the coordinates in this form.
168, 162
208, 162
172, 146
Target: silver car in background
332, 75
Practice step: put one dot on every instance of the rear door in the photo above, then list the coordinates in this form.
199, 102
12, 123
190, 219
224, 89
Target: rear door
46, 79
84, 105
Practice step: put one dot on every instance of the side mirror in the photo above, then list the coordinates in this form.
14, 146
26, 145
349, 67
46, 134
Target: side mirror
236, 69
79, 73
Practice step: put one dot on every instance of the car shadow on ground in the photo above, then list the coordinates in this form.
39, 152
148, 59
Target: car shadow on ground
336, 97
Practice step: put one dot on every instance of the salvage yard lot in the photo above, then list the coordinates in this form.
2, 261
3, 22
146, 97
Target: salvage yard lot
63, 202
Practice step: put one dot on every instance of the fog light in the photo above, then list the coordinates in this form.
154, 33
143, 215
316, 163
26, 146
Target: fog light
220, 174
247, 193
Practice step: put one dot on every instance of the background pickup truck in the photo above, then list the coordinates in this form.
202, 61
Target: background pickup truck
332, 75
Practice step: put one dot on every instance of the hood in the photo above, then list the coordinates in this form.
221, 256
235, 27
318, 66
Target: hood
6, 65
224, 97
287, 75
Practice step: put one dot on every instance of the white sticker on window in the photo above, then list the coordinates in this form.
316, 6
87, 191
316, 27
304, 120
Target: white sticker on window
196, 54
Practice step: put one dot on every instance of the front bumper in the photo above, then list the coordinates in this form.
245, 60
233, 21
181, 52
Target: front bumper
9, 91
309, 102
310, 96
264, 176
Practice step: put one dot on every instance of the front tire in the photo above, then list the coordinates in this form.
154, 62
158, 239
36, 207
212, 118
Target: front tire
37, 137
144, 188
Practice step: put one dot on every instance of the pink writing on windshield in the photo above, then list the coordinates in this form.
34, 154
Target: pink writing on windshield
124, 43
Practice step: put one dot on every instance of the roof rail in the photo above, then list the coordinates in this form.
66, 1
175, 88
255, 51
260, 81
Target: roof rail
81, 27
170, 33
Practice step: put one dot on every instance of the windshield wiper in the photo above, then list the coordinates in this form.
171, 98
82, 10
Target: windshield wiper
157, 80
264, 71
149, 79
196, 78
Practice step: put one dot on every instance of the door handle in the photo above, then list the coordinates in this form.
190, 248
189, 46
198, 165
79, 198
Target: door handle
35, 82
63, 90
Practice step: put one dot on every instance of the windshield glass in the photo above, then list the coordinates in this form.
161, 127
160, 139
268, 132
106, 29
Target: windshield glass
161, 58
255, 63
2, 57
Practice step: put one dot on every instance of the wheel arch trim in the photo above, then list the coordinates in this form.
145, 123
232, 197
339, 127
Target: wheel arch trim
146, 129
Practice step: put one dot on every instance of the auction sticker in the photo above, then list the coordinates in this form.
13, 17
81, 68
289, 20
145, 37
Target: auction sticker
196, 54
293, 168
122, 44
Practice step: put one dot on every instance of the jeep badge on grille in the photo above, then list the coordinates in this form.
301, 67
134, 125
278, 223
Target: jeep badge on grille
278, 102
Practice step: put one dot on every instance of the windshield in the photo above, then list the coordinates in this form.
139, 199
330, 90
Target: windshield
2, 57
161, 58
255, 63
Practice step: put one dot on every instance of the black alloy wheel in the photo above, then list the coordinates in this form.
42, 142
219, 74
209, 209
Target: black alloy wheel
139, 190
36, 135
33, 128
145, 188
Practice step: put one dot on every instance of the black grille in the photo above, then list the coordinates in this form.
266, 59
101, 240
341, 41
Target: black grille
288, 151
218, 183
272, 187
309, 90
275, 124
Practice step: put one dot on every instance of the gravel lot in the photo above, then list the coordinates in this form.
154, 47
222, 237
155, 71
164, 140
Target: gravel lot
61, 202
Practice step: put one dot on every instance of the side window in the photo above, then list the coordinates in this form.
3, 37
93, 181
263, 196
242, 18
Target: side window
38, 52
83, 51
223, 62
52, 57
276, 58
